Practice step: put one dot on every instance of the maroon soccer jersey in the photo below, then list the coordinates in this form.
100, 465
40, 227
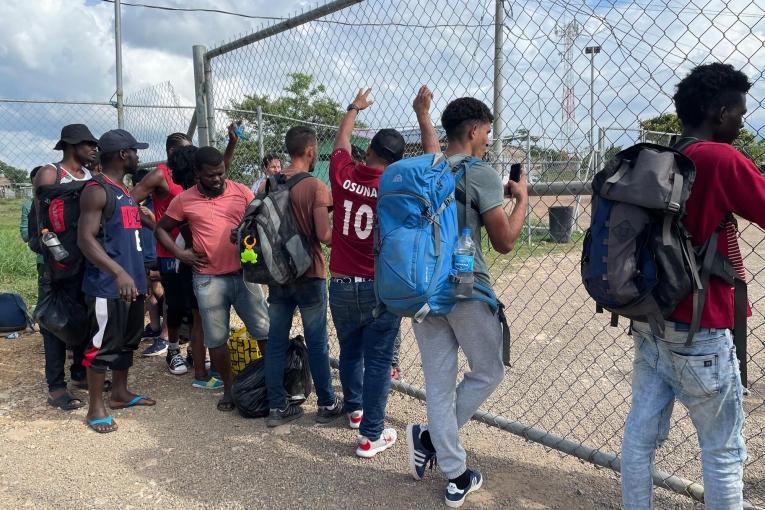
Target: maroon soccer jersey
354, 197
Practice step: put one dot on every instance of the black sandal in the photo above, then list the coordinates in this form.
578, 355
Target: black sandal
65, 402
226, 404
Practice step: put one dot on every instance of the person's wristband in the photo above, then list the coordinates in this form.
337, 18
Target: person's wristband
353, 106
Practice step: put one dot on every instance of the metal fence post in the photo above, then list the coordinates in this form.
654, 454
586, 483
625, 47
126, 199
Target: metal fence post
203, 135
261, 152
499, 81
208, 87
118, 63
528, 174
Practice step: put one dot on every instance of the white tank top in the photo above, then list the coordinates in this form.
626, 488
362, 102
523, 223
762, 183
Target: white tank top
66, 177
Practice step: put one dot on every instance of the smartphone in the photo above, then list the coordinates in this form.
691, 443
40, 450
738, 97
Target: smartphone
515, 172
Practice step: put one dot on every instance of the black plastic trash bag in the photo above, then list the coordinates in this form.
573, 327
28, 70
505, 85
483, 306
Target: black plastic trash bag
297, 373
64, 316
249, 390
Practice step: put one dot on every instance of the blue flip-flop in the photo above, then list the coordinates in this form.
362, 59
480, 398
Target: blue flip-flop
134, 402
101, 421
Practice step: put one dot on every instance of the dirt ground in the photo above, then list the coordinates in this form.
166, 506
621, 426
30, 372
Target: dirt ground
185, 454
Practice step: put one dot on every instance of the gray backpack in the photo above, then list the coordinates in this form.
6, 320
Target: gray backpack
638, 259
273, 250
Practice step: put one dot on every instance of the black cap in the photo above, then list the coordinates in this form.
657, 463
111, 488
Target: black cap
74, 134
119, 139
389, 145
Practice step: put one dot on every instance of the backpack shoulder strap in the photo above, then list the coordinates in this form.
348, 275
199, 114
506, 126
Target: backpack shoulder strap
58, 172
684, 142
292, 181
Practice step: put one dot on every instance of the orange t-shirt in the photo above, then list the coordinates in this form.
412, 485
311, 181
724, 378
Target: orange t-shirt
210, 221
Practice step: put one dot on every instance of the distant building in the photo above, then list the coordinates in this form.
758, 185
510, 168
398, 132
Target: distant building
6, 187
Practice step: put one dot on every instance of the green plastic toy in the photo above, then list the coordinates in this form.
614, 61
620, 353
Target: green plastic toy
248, 254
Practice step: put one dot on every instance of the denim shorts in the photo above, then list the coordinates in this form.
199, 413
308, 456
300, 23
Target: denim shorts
216, 294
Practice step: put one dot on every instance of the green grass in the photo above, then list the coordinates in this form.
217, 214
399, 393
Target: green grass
541, 245
18, 271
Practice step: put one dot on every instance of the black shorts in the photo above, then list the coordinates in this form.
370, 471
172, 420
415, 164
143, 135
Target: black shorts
179, 291
117, 328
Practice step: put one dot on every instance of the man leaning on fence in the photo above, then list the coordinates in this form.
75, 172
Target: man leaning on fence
711, 103
473, 325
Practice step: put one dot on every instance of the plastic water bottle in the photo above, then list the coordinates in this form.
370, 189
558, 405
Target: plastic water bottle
464, 258
51, 241
242, 130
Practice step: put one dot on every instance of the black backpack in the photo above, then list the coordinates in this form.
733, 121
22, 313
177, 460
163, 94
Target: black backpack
273, 250
59, 213
638, 261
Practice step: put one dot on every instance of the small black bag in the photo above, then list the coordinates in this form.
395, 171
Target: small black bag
64, 316
249, 390
297, 373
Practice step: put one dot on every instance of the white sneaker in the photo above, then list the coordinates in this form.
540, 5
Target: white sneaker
354, 419
367, 448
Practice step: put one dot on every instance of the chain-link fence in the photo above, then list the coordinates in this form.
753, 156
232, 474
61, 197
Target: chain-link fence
570, 82
30, 128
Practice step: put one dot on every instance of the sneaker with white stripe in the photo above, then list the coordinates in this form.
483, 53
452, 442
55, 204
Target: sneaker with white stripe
455, 497
368, 449
419, 455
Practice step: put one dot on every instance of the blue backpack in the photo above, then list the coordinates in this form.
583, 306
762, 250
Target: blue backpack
416, 235
14, 315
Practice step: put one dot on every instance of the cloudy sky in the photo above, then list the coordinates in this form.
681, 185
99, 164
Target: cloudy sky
64, 49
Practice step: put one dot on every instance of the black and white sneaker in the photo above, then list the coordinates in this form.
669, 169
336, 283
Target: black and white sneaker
278, 417
328, 414
455, 497
175, 362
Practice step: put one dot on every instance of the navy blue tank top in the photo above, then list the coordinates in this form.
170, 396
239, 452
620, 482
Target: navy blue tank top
120, 235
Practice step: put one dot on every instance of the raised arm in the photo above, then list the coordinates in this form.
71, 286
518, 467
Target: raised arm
92, 203
154, 180
343, 137
421, 107
228, 155
504, 230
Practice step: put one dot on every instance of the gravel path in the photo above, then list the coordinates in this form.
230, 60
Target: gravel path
185, 454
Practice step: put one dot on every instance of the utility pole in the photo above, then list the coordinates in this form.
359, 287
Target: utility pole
118, 61
499, 63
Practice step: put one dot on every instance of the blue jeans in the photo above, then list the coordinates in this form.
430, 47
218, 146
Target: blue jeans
310, 296
366, 352
217, 294
705, 379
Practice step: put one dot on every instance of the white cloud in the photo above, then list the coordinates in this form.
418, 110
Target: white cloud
68, 53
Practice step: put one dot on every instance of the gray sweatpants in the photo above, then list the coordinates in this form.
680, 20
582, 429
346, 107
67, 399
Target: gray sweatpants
473, 327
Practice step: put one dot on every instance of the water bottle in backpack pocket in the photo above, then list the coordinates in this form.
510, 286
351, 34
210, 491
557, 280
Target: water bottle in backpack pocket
417, 234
